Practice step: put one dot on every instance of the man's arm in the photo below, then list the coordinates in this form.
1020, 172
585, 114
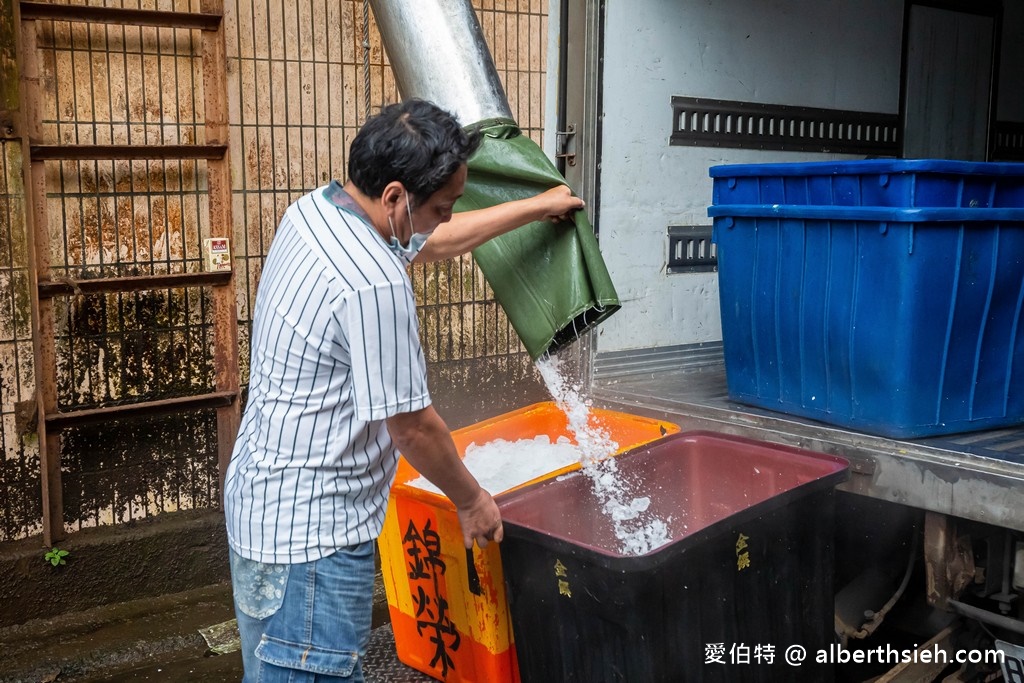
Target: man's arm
423, 439
469, 229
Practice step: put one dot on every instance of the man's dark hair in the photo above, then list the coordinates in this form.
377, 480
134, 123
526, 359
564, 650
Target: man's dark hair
414, 142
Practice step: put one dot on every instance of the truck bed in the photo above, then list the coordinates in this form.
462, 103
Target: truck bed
975, 475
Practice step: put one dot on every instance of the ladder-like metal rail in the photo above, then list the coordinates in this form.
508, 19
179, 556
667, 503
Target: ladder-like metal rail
26, 123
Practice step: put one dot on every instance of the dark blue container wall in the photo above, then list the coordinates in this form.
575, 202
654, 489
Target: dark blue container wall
894, 183
897, 322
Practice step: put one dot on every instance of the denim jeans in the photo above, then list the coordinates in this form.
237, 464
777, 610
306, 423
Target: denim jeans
305, 623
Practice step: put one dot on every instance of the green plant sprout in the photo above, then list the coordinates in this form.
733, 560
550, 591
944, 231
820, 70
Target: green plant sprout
56, 556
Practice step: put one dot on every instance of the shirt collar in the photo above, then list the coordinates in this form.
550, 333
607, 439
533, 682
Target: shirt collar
335, 194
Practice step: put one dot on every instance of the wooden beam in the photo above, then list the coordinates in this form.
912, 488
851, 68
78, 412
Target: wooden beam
130, 152
120, 15
77, 418
69, 287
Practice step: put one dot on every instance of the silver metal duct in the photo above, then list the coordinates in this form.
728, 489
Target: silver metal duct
438, 53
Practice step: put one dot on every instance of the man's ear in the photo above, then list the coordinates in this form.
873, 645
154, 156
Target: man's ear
392, 194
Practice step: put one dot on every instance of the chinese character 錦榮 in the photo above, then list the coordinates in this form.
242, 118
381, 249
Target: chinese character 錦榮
423, 547
425, 550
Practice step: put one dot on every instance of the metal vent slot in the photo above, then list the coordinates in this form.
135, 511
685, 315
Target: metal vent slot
702, 122
1009, 141
690, 249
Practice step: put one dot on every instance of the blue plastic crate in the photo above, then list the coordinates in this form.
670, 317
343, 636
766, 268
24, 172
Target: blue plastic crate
897, 183
901, 322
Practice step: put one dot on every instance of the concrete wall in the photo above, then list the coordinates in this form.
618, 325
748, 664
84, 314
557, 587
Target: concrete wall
162, 555
842, 54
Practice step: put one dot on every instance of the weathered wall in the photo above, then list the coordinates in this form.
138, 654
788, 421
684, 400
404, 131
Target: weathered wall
302, 78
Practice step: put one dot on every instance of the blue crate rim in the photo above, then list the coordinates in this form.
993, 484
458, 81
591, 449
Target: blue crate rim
867, 166
876, 214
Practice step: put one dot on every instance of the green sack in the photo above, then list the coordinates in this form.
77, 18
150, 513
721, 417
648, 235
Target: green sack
549, 278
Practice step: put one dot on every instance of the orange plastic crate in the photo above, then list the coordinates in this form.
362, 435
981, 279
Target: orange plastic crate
446, 626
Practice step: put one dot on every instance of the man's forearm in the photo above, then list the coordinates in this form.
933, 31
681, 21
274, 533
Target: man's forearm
424, 440
468, 230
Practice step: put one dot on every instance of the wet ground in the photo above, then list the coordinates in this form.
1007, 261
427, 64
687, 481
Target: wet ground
160, 640
157, 640
381, 666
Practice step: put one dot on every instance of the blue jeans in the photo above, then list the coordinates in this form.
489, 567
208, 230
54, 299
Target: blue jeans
305, 623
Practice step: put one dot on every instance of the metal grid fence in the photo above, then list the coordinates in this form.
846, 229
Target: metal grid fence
19, 467
302, 75
128, 85
298, 88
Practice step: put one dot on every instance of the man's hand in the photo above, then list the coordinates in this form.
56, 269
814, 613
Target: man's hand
481, 521
558, 204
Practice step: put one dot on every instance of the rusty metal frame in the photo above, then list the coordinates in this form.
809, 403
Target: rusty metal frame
133, 283
76, 418
25, 121
131, 152
120, 15
926, 668
225, 312
43, 352
948, 560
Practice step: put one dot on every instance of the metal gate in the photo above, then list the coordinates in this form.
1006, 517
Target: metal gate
116, 284
130, 353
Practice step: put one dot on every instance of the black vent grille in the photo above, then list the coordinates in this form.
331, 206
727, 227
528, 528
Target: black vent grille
690, 249
702, 122
1009, 142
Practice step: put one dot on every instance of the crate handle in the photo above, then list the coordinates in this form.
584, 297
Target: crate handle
474, 578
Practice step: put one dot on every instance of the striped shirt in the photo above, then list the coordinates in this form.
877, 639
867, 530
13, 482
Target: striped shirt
335, 351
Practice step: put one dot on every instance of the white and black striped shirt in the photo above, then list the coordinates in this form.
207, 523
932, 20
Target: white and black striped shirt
335, 351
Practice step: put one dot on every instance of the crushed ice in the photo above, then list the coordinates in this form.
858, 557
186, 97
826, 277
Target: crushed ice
501, 465
638, 531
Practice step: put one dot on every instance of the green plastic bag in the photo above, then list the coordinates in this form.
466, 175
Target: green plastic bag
549, 278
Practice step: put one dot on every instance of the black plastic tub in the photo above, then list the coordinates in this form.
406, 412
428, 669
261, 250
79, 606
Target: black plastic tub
743, 586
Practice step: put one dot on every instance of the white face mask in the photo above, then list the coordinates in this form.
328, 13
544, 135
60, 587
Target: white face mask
416, 242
